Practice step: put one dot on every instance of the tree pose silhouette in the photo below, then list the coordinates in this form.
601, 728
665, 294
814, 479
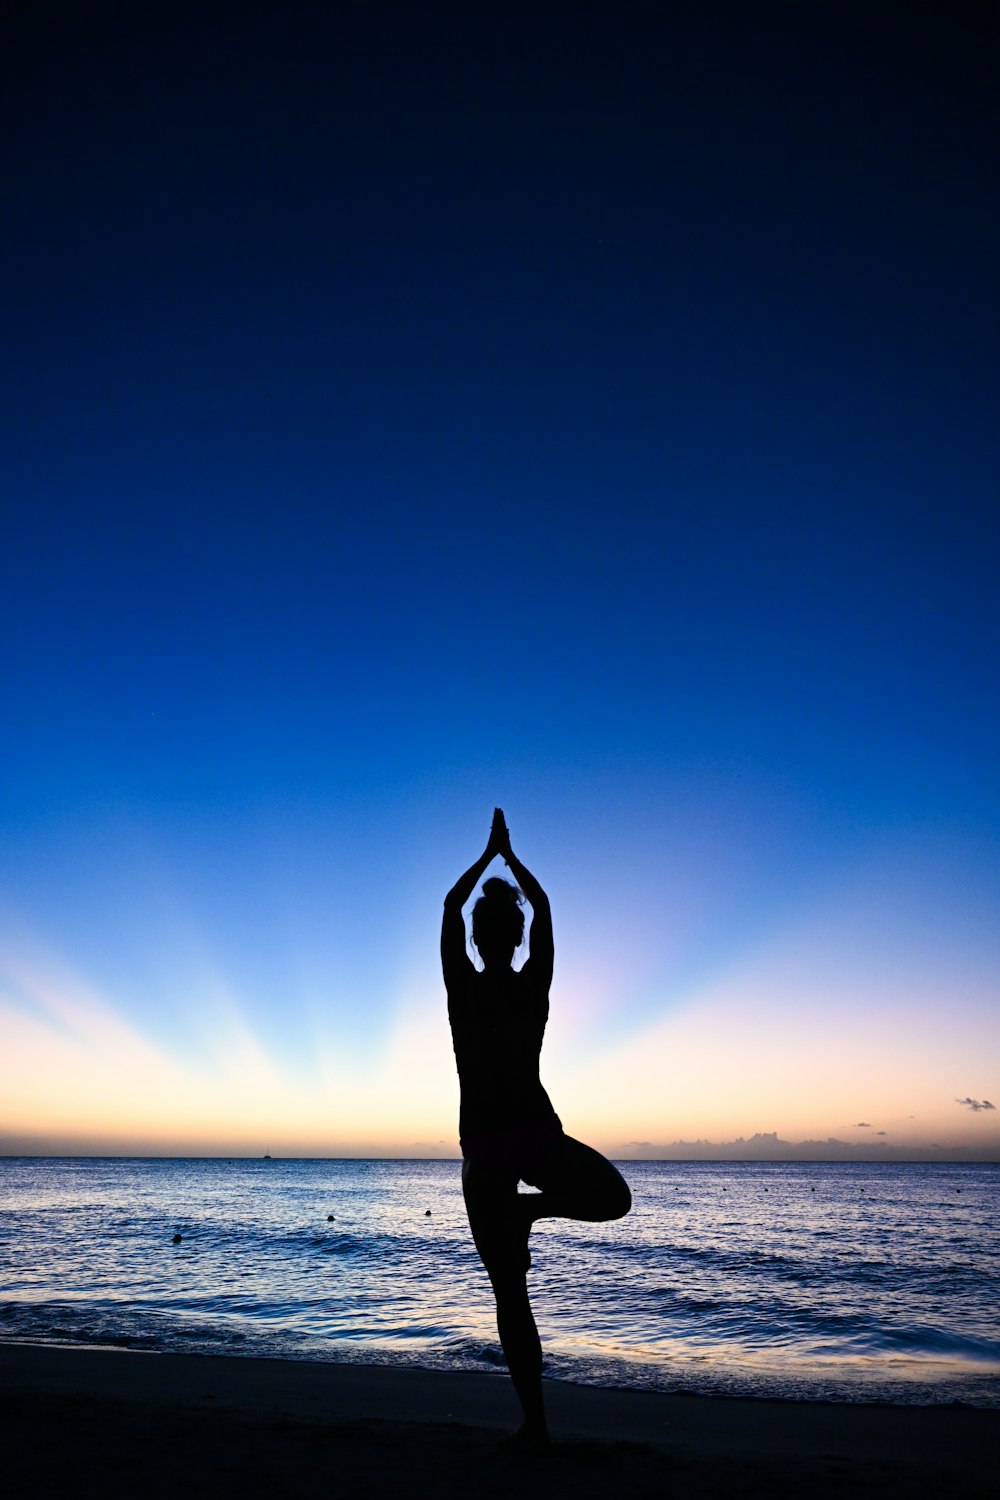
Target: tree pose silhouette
509, 1131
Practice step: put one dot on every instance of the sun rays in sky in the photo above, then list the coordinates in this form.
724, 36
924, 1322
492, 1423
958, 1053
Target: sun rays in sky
376, 453
864, 1013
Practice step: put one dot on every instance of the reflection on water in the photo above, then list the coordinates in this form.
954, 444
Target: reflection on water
860, 1281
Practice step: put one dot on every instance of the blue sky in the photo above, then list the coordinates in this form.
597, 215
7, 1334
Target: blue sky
414, 409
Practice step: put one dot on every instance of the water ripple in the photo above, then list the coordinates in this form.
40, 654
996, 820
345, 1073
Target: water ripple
875, 1282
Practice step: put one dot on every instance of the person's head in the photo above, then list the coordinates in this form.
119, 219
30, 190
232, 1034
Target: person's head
498, 922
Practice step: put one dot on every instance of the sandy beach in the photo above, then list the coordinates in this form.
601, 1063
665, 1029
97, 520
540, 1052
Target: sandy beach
122, 1423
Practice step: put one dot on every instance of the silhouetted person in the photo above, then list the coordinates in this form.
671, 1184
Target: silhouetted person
508, 1128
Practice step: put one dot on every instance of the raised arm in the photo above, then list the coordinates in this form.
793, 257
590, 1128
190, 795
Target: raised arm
454, 956
540, 941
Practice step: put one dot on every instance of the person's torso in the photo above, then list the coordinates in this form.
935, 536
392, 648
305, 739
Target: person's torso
497, 1025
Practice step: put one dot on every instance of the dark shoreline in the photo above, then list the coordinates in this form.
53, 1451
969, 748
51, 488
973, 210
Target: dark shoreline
120, 1423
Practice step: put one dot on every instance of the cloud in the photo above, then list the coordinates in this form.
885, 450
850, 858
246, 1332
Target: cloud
768, 1146
863, 1125
976, 1104
881, 1132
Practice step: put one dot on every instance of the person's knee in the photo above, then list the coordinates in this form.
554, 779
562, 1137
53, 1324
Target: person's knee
510, 1286
619, 1198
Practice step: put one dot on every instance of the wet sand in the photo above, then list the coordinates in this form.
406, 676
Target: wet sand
115, 1423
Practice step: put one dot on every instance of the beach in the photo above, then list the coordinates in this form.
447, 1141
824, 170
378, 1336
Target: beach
121, 1423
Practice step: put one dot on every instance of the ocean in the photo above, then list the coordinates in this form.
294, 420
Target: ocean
852, 1282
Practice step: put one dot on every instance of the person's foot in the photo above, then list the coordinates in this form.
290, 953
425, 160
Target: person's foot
527, 1221
529, 1440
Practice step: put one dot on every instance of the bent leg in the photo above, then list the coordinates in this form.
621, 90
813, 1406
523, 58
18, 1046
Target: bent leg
577, 1182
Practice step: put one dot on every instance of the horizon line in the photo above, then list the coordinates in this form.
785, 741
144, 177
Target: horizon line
938, 1161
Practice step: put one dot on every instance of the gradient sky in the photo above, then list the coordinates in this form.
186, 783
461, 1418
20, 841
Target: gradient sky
588, 409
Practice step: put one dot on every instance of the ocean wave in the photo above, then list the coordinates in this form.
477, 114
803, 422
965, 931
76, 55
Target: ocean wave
699, 1290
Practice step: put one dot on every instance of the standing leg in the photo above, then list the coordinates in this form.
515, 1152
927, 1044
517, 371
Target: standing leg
492, 1202
523, 1352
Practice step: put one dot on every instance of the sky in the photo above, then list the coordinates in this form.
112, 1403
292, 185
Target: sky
588, 409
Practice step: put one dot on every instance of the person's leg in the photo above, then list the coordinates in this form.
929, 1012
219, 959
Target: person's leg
576, 1182
491, 1199
523, 1352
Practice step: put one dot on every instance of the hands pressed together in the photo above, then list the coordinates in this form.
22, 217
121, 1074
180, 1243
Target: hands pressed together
499, 840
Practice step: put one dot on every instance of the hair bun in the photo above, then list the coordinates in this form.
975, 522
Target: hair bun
497, 915
501, 891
